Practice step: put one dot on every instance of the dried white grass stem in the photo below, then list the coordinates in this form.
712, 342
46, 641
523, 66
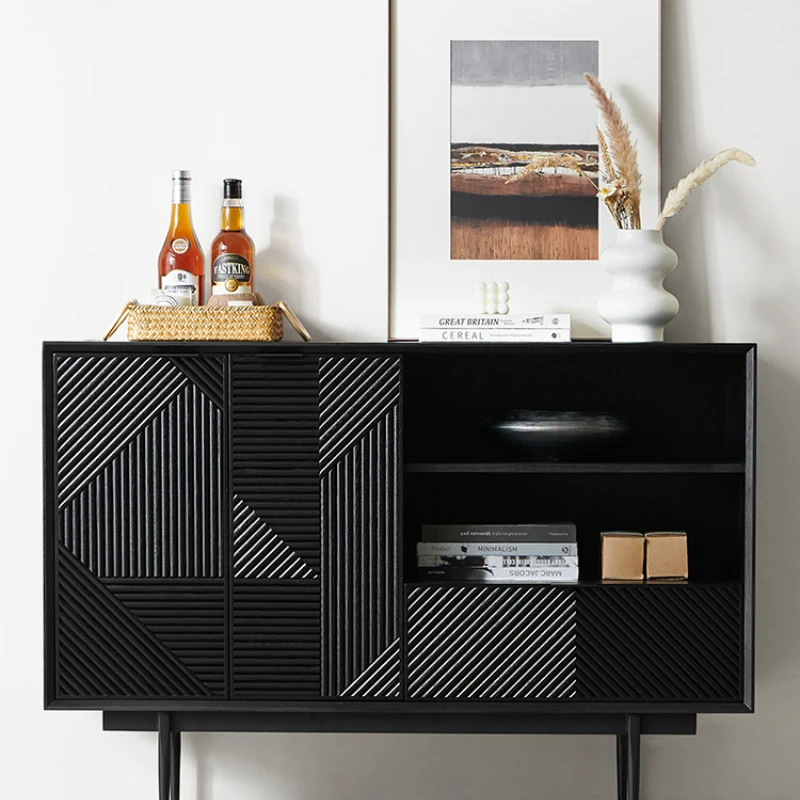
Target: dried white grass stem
678, 197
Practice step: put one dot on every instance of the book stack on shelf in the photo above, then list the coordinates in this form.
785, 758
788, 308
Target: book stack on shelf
495, 328
533, 553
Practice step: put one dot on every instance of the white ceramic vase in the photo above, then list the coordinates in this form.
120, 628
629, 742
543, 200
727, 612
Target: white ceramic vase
638, 306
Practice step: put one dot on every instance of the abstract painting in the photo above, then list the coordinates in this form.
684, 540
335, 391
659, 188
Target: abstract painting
518, 104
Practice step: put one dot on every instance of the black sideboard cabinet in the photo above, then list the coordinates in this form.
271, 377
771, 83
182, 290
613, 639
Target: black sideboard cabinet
230, 535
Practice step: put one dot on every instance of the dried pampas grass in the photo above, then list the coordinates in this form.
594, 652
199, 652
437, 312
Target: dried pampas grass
620, 179
621, 163
622, 189
605, 156
678, 197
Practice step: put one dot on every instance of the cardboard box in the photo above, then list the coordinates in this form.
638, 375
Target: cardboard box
667, 555
622, 555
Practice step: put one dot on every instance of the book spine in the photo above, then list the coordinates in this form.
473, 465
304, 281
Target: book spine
506, 321
560, 533
479, 335
499, 549
520, 575
494, 562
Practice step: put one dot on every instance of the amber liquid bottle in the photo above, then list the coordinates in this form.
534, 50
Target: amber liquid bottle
181, 263
232, 251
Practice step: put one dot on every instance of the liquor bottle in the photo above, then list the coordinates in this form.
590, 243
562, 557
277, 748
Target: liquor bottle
181, 263
232, 250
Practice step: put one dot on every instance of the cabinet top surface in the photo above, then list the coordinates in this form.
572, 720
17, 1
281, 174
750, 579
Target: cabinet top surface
274, 348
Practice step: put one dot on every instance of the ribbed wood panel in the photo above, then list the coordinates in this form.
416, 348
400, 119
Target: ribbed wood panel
381, 678
359, 430
206, 373
257, 550
103, 650
275, 454
156, 507
276, 639
660, 643
355, 395
187, 617
102, 402
491, 642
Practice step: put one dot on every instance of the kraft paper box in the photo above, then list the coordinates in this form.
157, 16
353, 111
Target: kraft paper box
666, 555
622, 555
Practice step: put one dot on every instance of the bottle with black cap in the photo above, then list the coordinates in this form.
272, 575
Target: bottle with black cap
232, 250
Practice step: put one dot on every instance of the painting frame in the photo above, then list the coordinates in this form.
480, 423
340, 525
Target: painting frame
423, 278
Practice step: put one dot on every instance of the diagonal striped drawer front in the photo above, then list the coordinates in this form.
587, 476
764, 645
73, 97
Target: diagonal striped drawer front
660, 643
491, 642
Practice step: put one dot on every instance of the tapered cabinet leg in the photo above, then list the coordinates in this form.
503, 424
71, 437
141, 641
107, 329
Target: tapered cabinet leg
633, 735
175, 765
622, 766
164, 756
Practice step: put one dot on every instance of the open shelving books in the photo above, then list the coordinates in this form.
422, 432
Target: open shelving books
529, 553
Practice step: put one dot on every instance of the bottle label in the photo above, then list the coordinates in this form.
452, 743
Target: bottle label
231, 267
180, 246
180, 282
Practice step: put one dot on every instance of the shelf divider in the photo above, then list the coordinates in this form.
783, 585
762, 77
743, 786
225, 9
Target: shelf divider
577, 467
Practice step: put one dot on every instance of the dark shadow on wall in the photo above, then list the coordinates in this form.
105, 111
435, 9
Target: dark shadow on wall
642, 108
283, 270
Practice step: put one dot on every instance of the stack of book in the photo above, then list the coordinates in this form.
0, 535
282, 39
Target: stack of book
534, 553
495, 328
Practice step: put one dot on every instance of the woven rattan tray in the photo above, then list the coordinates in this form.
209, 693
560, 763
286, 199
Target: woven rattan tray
206, 323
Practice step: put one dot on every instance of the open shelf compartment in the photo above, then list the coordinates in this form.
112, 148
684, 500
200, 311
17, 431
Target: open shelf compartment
687, 407
710, 507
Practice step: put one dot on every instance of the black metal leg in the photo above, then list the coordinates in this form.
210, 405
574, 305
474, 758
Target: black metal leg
622, 766
175, 765
633, 735
164, 756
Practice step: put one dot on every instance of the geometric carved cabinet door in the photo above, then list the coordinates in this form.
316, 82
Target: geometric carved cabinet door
139, 514
359, 401
275, 509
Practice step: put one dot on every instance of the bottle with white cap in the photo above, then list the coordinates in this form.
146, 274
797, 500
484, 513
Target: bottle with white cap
181, 264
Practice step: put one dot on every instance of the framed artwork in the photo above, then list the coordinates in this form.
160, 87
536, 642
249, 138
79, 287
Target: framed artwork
476, 90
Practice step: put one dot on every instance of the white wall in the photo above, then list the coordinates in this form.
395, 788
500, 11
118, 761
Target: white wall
100, 100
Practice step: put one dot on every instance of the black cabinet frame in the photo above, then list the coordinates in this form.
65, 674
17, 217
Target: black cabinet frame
393, 376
